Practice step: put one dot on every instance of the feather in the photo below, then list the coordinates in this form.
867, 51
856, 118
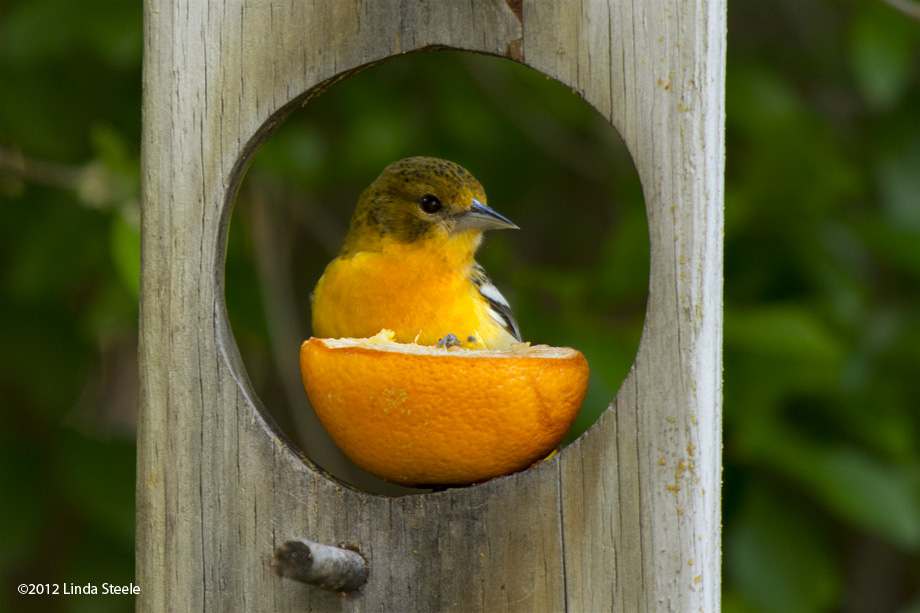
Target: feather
499, 309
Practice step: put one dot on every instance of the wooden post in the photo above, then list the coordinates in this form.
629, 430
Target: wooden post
626, 518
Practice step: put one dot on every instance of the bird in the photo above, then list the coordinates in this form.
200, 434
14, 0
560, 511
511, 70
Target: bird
407, 263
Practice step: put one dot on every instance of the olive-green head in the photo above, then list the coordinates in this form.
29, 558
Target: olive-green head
421, 198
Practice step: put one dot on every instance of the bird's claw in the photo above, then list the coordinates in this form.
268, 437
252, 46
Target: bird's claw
449, 341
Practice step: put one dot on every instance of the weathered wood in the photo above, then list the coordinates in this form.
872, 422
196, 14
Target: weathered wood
625, 519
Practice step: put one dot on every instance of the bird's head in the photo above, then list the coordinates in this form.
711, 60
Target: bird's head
422, 199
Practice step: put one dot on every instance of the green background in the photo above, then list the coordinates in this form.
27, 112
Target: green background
821, 497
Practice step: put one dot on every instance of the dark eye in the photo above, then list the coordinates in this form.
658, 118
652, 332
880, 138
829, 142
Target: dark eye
430, 203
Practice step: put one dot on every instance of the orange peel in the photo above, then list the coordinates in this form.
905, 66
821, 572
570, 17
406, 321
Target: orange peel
423, 416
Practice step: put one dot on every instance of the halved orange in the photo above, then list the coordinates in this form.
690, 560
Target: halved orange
421, 416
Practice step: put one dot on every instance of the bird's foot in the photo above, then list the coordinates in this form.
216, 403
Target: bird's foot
449, 341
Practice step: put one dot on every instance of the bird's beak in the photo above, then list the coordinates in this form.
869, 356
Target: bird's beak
481, 217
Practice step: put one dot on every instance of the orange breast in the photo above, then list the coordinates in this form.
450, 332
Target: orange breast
415, 292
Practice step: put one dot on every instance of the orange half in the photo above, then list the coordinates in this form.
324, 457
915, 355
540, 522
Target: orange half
421, 416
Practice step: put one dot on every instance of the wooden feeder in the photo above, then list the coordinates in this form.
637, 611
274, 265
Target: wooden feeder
626, 518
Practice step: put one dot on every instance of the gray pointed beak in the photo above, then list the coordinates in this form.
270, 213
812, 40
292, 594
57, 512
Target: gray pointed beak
481, 217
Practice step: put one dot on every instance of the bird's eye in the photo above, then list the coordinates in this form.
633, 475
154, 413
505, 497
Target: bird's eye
430, 203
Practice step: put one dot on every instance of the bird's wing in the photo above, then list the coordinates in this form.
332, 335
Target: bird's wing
499, 308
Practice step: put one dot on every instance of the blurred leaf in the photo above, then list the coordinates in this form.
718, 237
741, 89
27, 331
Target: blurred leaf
873, 495
898, 245
27, 502
879, 498
113, 150
788, 331
383, 134
882, 45
899, 183
44, 30
885, 499
295, 155
27, 27
623, 267
125, 241
775, 556
98, 478
734, 601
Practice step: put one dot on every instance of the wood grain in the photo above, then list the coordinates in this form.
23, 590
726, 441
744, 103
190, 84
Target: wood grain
625, 519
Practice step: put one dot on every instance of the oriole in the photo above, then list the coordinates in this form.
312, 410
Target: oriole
407, 263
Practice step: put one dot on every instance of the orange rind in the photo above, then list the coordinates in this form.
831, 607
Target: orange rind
425, 416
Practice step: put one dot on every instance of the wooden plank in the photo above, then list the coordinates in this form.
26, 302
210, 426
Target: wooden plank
625, 519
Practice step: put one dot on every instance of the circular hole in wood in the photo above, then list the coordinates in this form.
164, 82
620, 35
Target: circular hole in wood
576, 273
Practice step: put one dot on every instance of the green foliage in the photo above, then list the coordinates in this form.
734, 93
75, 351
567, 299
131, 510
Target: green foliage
69, 135
822, 287
822, 427
781, 562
